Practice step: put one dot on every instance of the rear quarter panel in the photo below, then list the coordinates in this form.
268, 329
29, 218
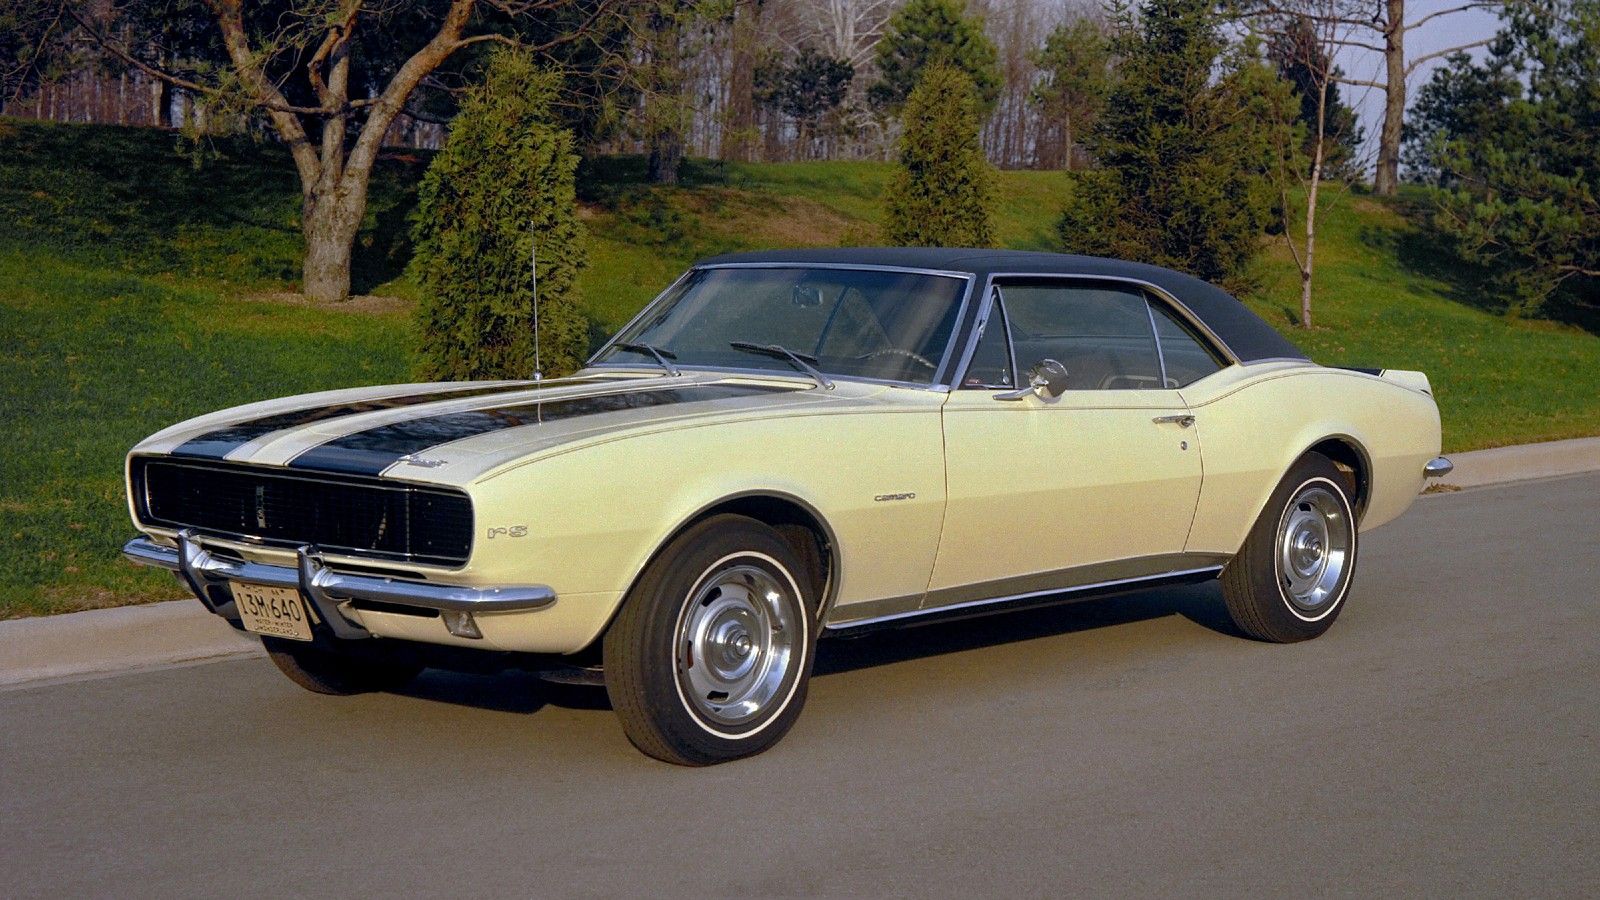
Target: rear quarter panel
1253, 422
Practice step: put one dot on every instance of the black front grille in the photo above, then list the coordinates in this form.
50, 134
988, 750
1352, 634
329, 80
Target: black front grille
382, 519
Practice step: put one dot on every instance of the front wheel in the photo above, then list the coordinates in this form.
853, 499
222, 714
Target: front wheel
710, 656
1290, 579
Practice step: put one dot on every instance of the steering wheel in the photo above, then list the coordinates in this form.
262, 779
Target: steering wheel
896, 351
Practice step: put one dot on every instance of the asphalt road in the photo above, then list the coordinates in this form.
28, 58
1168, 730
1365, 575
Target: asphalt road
1440, 740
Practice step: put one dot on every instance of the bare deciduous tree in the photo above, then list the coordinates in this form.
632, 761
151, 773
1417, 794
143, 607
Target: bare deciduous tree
333, 136
1381, 27
1310, 38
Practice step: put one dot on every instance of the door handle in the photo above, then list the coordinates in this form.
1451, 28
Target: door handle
1183, 420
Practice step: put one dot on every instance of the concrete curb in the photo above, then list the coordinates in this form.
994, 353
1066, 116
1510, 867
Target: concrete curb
1503, 464
103, 642
107, 641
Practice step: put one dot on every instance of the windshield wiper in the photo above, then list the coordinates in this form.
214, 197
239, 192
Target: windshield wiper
800, 361
661, 355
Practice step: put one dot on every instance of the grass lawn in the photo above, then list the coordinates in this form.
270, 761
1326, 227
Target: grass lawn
1388, 295
141, 283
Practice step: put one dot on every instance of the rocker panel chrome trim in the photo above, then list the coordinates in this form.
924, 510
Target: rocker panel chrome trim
1040, 588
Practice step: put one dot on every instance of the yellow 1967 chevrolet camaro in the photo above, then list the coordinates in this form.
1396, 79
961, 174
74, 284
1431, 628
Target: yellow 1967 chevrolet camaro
784, 446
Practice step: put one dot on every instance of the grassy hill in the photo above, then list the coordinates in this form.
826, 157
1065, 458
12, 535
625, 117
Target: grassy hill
142, 281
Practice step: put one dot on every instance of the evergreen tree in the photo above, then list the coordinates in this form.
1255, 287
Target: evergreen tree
941, 194
1511, 142
806, 89
926, 33
1187, 145
1076, 64
502, 185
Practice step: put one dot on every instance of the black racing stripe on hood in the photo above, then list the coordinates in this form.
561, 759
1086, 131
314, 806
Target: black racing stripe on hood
218, 444
376, 449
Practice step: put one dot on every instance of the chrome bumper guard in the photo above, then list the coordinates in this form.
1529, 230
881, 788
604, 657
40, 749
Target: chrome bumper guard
1438, 467
199, 569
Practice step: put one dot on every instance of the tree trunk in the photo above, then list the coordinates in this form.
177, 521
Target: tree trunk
1387, 177
1308, 266
160, 103
330, 228
666, 155
739, 121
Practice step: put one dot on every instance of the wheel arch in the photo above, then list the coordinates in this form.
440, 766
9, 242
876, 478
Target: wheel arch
799, 522
1348, 454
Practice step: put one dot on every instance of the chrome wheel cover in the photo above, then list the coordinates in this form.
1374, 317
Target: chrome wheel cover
1315, 539
737, 644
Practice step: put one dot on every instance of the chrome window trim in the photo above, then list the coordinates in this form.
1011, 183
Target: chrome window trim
991, 302
605, 347
1155, 335
1177, 305
934, 385
1011, 345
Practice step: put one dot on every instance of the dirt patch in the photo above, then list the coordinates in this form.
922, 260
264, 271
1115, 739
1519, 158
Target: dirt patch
789, 222
370, 304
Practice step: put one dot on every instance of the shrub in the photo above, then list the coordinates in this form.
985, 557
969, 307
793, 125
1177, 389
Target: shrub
502, 186
941, 194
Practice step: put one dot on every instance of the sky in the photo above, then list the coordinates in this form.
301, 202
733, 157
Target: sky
1445, 31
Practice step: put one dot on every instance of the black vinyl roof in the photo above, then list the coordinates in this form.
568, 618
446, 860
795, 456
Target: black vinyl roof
1247, 336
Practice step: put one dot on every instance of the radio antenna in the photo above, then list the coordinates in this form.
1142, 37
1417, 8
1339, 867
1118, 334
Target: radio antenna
533, 272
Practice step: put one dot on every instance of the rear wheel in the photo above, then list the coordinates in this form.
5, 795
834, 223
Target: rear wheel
328, 672
709, 658
1289, 581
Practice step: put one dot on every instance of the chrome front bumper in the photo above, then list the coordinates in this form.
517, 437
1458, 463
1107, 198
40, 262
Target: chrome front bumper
1438, 467
200, 570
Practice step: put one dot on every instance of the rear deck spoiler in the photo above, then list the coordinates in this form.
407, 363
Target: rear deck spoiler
1417, 381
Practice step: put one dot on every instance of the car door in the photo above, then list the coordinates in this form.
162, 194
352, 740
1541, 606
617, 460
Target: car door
1097, 484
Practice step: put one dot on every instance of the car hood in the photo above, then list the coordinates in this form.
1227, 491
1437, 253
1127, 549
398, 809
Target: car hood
458, 432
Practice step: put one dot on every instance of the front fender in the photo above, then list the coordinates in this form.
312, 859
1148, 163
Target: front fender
591, 519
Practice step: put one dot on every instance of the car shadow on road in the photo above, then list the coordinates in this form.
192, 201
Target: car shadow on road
1200, 604
526, 692
511, 691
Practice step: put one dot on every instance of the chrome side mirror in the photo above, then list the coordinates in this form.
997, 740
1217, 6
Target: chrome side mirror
1047, 379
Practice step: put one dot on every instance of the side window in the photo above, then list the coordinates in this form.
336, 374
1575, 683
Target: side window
991, 359
1188, 357
1099, 331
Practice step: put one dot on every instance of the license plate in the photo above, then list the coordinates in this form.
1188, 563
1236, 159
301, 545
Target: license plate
270, 610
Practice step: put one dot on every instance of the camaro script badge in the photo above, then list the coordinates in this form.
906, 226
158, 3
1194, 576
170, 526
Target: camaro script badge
907, 495
422, 461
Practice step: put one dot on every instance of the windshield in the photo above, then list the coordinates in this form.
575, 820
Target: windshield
878, 324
